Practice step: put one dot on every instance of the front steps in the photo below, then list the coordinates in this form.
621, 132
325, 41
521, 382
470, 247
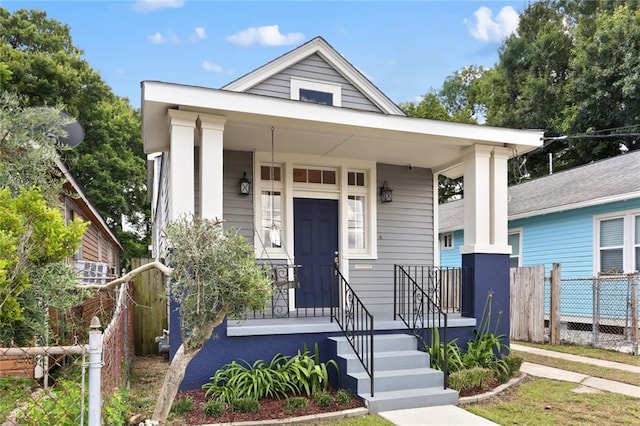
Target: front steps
402, 376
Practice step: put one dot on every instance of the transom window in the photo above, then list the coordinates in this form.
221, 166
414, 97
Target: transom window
356, 179
301, 175
315, 91
618, 243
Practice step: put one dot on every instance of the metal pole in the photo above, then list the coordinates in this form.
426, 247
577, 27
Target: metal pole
95, 373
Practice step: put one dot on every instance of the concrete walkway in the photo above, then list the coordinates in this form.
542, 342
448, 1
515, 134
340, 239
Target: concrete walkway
450, 415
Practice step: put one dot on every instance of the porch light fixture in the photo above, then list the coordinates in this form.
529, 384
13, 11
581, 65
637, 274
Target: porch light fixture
245, 184
385, 193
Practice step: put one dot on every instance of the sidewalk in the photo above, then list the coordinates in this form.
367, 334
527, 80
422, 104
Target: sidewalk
450, 415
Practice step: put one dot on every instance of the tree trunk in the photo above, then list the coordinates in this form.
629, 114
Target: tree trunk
172, 381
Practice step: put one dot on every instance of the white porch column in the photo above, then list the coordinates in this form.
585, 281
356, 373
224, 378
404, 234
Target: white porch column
211, 146
499, 199
182, 126
477, 208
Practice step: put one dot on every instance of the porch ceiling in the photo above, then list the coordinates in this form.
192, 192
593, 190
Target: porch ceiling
318, 130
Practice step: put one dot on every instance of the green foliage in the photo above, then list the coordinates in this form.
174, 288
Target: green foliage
62, 408
13, 389
512, 363
300, 373
295, 404
471, 378
343, 396
47, 69
34, 240
245, 405
213, 408
311, 374
323, 399
116, 409
215, 274
182, 406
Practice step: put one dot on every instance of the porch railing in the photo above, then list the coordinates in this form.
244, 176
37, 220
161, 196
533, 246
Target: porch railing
443, 285
298, 292
355, 321
414, 306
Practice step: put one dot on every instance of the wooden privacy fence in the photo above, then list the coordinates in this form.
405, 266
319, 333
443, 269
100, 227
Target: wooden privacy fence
150, 314
527, 303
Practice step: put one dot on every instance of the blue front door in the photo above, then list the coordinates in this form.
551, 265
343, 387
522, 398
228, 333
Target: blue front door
315, 233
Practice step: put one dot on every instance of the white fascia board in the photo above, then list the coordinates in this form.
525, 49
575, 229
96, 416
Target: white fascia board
244, 103
322, 48
67, 174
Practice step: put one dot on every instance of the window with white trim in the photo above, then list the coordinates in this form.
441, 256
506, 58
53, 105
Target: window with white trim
514, 240
357, 187
447, 241
618, 243
271, 226
314, 91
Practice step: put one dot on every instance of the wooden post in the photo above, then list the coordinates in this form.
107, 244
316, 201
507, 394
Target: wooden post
554, 306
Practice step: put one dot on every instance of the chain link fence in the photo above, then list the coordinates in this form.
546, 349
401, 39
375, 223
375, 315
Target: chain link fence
598, 311
50, 385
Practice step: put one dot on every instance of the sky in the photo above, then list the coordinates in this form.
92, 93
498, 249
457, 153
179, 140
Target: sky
404, 48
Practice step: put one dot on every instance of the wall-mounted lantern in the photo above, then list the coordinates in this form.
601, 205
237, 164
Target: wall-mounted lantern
245, 185
385, 193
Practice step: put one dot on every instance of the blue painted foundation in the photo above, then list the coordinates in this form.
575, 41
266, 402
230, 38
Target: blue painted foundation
487, 276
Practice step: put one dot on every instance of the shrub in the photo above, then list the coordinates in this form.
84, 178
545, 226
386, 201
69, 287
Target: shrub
116, 408
61, 405
213, 408
182, 406
323, 399
471, 378
310, 374
512, 365
245, 405
294, 404
343, 396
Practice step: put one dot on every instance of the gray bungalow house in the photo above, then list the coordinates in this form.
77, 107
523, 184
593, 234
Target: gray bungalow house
335, 188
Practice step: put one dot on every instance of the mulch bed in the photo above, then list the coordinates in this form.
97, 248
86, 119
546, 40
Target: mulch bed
270, 409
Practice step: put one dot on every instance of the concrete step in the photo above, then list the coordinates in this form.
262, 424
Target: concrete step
410, 398
382, 361
394, 380
381, 343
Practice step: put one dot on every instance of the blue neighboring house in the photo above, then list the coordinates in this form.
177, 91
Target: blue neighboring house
586, 218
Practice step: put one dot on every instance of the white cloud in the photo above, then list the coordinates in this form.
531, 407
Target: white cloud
168, 37
199, 33
486, 28
215, 68
264, 36
144, 6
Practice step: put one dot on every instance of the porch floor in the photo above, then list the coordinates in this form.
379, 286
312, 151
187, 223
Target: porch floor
270, 326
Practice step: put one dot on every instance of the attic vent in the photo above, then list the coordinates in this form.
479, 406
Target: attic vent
91, 272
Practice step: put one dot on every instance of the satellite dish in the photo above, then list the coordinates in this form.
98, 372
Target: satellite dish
75, 132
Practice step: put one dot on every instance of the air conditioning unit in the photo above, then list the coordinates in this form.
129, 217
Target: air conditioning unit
91, 272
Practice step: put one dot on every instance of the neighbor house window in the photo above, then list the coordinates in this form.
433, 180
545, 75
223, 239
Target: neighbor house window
618, 243
315, 91
515, 258
447, 241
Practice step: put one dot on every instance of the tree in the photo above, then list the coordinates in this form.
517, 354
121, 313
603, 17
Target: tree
34, 239
47, 69
457, 101
213, 273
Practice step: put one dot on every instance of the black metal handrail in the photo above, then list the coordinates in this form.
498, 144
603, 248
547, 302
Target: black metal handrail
442, 284
418, 311
355, 321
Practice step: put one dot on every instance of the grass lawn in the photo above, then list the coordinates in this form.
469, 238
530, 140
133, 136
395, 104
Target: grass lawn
548, 402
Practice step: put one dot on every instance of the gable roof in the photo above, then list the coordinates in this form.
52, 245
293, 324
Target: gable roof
320, 47
604, 181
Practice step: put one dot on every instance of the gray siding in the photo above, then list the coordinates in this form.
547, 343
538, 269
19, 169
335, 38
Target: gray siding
405, 235
315, 68
237, 210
